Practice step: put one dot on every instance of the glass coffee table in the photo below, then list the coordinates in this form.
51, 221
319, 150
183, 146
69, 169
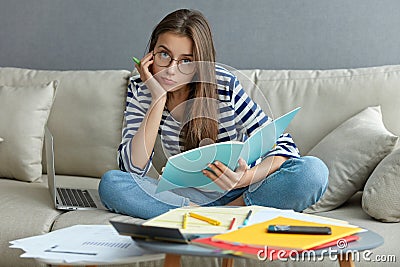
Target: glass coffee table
367, 240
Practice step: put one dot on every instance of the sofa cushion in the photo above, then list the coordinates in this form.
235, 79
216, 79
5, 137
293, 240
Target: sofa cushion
86, 119
351, 152
23, 114
381, 198
354, 214
26, 210
327, 97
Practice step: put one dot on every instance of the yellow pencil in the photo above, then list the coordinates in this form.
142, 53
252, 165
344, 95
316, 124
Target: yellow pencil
204, 218
184, 222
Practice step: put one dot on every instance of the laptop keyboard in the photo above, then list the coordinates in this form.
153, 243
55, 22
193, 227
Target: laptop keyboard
76, 198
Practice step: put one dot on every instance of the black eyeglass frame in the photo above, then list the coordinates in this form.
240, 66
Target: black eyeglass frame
178, 63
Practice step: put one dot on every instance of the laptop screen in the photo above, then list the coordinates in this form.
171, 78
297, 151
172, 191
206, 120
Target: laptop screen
48, 139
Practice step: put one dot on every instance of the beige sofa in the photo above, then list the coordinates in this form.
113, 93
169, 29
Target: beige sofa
86, 121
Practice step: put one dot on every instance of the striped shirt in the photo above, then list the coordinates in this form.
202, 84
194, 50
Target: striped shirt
238, 117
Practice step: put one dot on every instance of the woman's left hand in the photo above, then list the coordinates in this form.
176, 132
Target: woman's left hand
226, 178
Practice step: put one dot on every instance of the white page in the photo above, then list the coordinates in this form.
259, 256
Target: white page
265, 215
174, 218
80, 243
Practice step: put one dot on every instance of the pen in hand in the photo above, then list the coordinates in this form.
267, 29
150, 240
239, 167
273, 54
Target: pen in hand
137, 61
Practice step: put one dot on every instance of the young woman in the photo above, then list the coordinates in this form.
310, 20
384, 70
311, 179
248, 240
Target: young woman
183, 96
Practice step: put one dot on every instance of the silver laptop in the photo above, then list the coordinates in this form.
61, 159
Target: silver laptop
67, 198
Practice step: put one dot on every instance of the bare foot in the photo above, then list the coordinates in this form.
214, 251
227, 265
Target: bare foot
191, 204
237, 202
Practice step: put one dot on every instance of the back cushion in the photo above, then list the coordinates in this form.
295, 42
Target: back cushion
327, 97
86, 118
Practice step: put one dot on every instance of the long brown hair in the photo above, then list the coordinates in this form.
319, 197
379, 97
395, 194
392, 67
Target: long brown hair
202, 121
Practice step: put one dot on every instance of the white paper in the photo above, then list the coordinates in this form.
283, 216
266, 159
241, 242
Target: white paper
265, 215
80, 243
174, 217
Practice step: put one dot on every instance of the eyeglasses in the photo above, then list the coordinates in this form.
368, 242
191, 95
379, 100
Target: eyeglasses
163, 59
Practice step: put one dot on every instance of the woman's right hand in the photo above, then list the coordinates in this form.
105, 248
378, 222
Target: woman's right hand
147, 77
144, 67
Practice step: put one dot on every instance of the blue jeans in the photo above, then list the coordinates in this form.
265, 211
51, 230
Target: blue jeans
297, 184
